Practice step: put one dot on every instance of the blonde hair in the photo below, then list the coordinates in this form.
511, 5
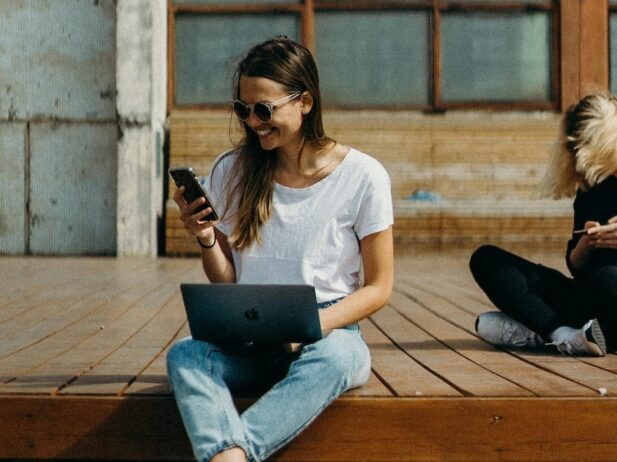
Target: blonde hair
585, 152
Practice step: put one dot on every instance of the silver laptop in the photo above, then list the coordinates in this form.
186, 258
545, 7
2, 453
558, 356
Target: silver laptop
236, 314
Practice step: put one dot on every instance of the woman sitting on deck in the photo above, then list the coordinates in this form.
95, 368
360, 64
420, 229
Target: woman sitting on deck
540, 305
298, 208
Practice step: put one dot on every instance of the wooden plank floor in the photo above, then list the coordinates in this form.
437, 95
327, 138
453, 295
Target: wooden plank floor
82, 371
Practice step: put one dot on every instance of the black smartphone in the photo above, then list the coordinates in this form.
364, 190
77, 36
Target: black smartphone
184, 176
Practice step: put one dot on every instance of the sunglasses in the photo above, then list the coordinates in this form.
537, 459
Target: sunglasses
263, 111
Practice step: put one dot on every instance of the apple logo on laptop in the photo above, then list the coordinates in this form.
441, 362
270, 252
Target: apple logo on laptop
252, 314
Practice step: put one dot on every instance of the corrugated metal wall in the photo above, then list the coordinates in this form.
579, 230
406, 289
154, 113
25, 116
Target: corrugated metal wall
58, 130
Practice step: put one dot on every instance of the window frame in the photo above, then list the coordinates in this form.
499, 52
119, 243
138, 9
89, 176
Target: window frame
306, 10
612, 9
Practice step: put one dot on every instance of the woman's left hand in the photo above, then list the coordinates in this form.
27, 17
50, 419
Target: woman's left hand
604, 236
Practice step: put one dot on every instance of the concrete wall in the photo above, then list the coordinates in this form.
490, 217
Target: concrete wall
82, 111
12, 187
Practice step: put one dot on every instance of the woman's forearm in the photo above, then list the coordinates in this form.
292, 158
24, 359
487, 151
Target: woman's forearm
581, 252
353, 308
216, 260
377, 259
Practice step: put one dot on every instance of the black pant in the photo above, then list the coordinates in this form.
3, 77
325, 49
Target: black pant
543, 298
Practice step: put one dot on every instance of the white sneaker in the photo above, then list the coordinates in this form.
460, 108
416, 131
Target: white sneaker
499, 329
588, 340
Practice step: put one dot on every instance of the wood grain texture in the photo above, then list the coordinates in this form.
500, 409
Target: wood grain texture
485, 167
351, 429
82, 371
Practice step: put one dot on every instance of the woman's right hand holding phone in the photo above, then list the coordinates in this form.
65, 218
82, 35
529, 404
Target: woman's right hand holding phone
195, 223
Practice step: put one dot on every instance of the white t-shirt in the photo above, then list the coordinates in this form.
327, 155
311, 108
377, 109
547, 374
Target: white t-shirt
312, 236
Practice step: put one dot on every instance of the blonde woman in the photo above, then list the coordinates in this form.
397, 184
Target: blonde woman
298, 208
540, 305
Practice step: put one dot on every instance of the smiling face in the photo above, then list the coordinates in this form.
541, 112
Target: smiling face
284, 130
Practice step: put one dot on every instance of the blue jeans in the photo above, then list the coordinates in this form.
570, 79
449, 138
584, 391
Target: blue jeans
297, 386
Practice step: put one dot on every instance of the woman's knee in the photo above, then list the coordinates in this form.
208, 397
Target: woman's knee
344, 353
185, 353
483, 258
179, 351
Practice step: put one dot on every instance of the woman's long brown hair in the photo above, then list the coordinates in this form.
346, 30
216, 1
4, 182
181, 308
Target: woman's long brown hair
249, 193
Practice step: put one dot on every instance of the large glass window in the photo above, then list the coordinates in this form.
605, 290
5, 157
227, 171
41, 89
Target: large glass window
206, 46
429, 54
492, 57
231, 2
373, 58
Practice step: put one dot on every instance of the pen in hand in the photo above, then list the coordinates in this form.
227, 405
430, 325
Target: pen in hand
576, 232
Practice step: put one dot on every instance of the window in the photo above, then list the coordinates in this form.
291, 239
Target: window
496, 57
206, 45
429, 55
373, 58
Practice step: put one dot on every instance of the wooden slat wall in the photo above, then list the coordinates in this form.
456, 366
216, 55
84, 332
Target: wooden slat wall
457, 155
467, 158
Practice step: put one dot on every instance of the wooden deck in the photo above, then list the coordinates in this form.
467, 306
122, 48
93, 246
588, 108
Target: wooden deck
82, 373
